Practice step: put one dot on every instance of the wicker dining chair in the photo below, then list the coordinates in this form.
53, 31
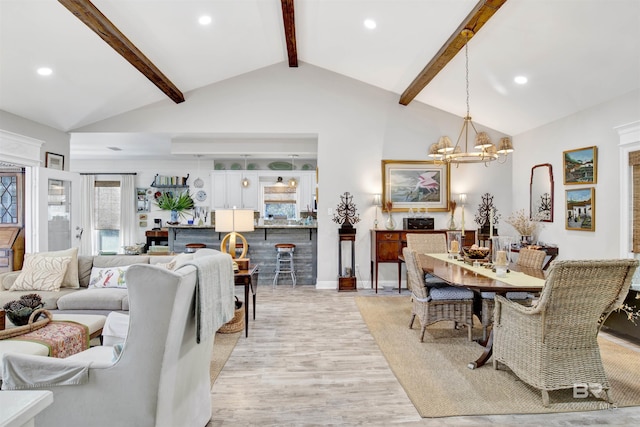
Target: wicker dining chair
553, 345
436, 304
428, 243
529, 258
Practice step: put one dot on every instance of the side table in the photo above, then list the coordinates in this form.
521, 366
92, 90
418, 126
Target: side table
19, 408
249, 279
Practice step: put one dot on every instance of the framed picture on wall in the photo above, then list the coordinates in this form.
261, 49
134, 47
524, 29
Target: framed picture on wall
580, 166
580, 209
412, 184
54, 161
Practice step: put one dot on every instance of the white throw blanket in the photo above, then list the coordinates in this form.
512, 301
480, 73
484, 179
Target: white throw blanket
49, 372
214, 293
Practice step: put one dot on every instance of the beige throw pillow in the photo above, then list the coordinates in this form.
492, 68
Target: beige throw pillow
70, 279
41, 273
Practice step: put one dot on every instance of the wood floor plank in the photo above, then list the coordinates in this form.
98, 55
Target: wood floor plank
310, 360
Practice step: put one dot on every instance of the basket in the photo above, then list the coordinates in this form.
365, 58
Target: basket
237, 323
31, 326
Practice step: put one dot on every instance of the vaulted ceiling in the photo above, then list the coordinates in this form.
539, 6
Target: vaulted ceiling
575, 54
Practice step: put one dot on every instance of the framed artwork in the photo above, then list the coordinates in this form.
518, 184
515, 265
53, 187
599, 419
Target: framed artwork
410, 184
580, 209
54, 161
581, 166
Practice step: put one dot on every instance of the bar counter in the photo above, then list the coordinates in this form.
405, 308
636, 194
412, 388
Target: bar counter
261, 247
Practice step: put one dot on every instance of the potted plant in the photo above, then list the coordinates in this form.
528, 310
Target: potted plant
20, 310
176, 204
525, 226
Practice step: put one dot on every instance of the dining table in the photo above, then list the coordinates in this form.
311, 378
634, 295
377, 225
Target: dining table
458, 272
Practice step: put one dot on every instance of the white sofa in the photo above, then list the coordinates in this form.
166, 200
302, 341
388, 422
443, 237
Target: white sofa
83, 299
161, 377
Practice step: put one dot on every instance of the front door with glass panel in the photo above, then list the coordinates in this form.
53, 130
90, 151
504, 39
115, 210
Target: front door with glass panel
57, 210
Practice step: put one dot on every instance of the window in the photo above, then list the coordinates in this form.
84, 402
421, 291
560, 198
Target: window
280, 202
107, 215
11, 198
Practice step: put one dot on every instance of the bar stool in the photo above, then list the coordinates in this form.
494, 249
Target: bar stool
284, 261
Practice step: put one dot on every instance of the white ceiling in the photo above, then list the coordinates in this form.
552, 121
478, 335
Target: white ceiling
576, 54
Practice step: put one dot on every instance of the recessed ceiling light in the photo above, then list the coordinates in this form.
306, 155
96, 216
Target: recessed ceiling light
370, 24
204, 20
45, 71
520, 80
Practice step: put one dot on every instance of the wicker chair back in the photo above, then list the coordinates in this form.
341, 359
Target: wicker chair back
428, 243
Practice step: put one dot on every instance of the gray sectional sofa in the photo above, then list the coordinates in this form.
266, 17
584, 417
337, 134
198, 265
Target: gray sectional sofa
83, 299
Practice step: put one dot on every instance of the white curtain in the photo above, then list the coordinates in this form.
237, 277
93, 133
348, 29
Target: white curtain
88, 243
128, 220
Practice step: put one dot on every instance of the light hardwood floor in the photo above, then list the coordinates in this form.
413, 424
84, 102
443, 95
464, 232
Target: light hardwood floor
310, 360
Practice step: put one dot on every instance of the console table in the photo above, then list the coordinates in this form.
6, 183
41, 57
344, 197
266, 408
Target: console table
386, 247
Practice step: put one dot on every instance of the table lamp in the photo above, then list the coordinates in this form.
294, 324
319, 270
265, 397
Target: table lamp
232, 221
377, 202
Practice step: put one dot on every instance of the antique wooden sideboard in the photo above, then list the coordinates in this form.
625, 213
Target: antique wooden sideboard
386, 247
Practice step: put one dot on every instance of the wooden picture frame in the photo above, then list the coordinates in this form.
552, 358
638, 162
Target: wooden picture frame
54, 161
580, 166
413, 184
580, 209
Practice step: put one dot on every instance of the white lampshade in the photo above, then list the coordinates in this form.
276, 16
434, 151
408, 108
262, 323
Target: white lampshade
228, 220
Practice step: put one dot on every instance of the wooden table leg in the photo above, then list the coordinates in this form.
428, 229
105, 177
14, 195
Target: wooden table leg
247, 283
486, 353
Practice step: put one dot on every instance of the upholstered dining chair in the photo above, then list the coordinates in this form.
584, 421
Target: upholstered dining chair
553, 344
428, 243
528, 258
435, 304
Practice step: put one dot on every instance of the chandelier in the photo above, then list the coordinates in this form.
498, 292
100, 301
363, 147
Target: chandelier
485, 151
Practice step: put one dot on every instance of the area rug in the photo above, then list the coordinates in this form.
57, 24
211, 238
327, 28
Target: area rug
223, 346
435, 376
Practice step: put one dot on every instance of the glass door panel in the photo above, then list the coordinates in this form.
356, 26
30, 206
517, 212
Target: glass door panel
59, 214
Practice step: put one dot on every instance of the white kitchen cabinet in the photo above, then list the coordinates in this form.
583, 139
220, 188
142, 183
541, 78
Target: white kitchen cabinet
228, 192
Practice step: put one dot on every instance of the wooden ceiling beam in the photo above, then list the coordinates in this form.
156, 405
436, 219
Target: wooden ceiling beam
288, 18
481, 13
86, 12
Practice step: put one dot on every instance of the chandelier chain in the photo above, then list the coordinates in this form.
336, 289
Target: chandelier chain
466, 58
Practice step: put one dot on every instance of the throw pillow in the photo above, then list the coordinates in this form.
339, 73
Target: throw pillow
70, 279
41, 273
108, 277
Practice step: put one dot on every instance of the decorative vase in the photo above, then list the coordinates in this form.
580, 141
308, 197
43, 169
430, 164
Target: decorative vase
174, 216
452, 223
390, 223
526, 240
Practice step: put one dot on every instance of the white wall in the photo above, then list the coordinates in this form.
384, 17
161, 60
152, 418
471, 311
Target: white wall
546, 144
357, 125
55, 141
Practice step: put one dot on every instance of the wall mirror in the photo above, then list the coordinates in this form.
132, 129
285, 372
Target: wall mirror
541, 193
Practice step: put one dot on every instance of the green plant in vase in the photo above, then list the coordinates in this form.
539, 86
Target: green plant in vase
176, 204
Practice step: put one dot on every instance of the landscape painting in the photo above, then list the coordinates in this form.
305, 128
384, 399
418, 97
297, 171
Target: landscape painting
580, 166
581, 209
